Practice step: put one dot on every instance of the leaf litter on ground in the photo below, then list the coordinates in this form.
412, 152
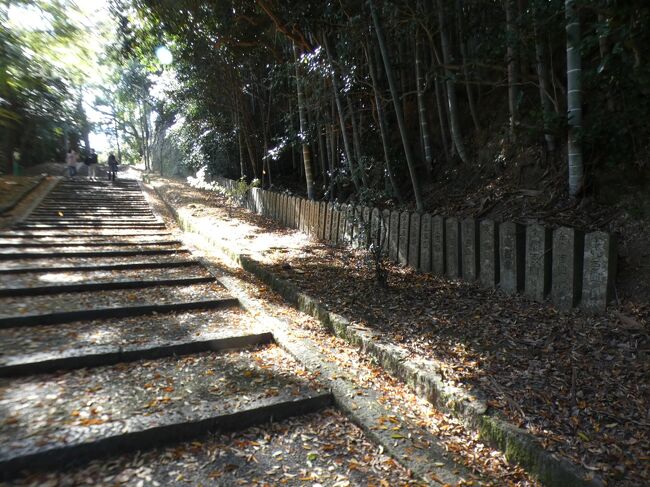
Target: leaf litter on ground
576, 381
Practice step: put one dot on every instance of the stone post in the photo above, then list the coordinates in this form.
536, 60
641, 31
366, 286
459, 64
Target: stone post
302, 217
292, 216
470, 249
349, 225
320, 215
385, 231
285, 210
393, 235
282, 213
538, 262
327, 235
364, 235
358, 222
375, 221
403, 243
566, 278
296, 212
599, 272
489, 243
511, 256
274, 206
438, 238
342, 224
313, 218
414, 240
454, 263
425, 243
335, 224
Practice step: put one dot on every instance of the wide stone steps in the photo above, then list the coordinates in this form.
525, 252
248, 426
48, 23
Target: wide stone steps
113, 339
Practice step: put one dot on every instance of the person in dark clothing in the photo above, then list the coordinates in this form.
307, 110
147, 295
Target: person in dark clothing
112, 167
91, 162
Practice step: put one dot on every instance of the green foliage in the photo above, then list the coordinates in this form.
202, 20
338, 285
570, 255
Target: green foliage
40, 83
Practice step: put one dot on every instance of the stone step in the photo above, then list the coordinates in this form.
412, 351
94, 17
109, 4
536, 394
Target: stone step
84, 234
94, 220
250, 457
48, 308
89, 206
90, 253
82, 203
91, 413
94, 197
101, 267
54, 318
46, 343
13, 280
143, 206
30, 365
98, 226
101, 286
102, 243
55, 212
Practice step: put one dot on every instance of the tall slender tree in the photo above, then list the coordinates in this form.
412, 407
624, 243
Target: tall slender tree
410, 162
574, 98
306, 151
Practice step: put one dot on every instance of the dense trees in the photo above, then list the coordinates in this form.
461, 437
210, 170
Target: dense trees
374, 99
41, 109
376, 96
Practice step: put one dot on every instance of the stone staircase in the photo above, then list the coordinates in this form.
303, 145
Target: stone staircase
114, 339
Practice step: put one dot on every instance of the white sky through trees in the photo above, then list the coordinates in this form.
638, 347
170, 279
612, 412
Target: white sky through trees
89, 15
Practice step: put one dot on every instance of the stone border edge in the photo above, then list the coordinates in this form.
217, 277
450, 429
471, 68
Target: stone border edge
518, 445
22, 195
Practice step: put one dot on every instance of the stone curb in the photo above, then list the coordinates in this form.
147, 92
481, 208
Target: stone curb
134, 354
47, 188
157, 436
12, 204
430, 464
518, 445
102, 267
121, 312
101, 286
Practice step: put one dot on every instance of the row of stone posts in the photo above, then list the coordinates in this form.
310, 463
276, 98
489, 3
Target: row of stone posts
565, 265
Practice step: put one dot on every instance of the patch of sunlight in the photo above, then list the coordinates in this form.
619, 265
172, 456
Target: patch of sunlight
67, 278
101, 336
18, 397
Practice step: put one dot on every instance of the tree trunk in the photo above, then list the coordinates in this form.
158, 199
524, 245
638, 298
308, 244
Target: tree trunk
117, 140
322, 151
291, 128
251, 152
381, 121
604, 48
398, 109
422, 109
356, 144
463, 57
334, 152
574, 98
242, 164
339, 108
442, 117
451, 89
513, 71
306, 152
542, 78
